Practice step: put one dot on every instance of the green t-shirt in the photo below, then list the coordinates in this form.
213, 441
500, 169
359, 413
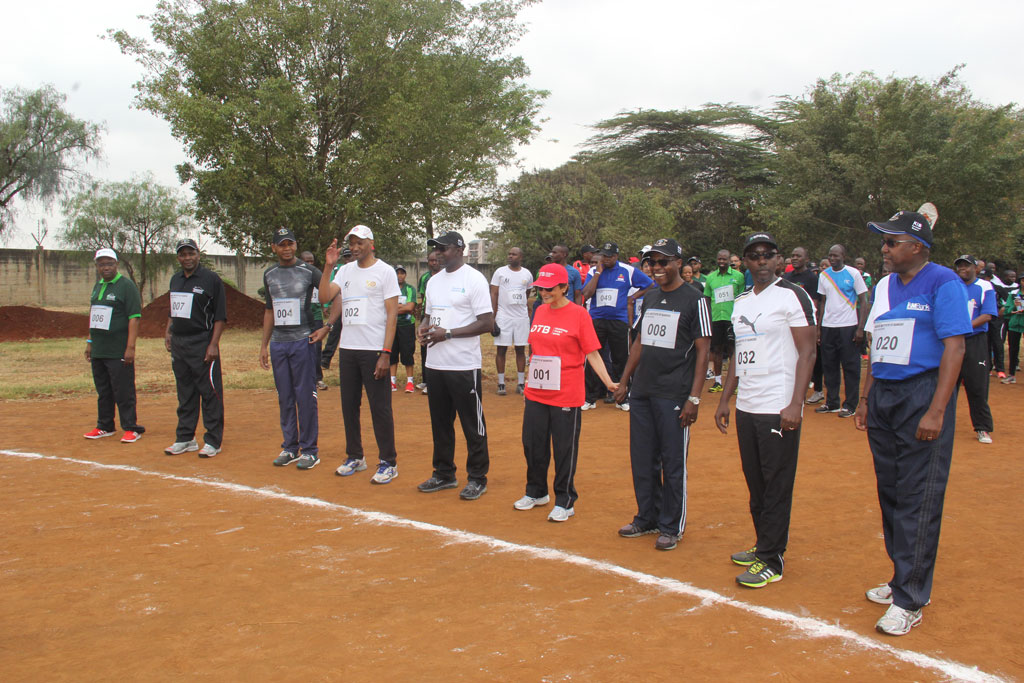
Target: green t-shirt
723, 289
423, 285
407, 294
111, 305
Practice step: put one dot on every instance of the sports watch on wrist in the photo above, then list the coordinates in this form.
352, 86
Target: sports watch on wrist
695, 400
447, 334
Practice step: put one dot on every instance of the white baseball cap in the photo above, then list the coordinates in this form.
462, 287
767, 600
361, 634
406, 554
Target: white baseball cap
109, 253
360, 231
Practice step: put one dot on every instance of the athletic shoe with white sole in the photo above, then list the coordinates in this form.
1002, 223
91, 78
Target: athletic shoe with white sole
394, 385
528, 503
623, 406
666, 542
716, 388
285, 458
520, 388
501, 390
409, 388
898, 621
758, 575
179, 447
588, 406
350, 467
437, 484
745, 558
208, 451
826, 409
131, 437
384, 474
815, 397
421, 385
97, 434
632, 530
880, 594
983, 436
473, 490
1011, 379
307, 462
560, 514
321, 385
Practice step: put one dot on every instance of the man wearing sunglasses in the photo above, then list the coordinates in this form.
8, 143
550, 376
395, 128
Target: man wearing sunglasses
774, 353
918, 322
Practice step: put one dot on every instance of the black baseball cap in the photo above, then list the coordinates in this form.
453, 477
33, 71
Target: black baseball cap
346, 252
693, 258
906, 223
609, 249
449, 239
668, 247
587, 248
187, 242
283, 234
759, 238
966, 257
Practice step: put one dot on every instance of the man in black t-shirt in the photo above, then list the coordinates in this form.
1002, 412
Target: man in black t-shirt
808, 280
675, 332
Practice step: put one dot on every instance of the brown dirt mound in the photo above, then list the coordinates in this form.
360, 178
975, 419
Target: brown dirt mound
244, 313
18, 323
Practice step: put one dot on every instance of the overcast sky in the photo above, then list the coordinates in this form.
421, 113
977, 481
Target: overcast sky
596, 57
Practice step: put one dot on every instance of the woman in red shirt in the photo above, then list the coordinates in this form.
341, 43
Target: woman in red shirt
561, 337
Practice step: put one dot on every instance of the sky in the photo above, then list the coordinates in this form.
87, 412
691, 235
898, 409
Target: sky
596, 57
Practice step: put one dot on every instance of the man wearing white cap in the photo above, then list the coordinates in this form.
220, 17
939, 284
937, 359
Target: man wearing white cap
114, 314
368, 309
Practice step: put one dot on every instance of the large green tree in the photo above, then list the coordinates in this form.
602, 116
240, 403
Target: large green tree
854, 149
139, 219
40, 145
316, 114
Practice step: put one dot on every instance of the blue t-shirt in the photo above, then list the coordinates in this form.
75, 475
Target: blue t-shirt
981, 298
908, 322
609, 301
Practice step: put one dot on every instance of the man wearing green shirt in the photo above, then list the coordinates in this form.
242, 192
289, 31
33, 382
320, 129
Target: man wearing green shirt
404, 346
695, 266
433, 267
722, 286
114, 314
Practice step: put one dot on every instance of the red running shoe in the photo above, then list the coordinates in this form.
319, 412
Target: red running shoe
130, 437
97, 434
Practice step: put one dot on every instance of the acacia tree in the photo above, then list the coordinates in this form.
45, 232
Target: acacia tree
40, 144
315, 114
139, 219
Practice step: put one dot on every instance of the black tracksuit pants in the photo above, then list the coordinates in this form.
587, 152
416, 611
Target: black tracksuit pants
974, 377
768, 455
840, 352
614, 337
356, 370
115, 385
658, 448
551, 430
330, 346
451, 393
196, 391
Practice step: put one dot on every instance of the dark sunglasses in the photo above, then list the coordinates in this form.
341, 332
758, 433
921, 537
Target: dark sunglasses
547, 289
891, 243
663, 262
760, 255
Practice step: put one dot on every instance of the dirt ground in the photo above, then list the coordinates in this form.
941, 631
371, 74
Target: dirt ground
231, 569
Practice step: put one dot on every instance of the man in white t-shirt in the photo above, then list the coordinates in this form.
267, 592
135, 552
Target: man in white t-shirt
841, 319
456, 312
368, 309
771, 364
510, 287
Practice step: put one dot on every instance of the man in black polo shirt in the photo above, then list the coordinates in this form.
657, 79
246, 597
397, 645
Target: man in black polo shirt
808, 280
196, 321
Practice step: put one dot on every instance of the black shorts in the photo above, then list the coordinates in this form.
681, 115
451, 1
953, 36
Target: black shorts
404, 350
721, 337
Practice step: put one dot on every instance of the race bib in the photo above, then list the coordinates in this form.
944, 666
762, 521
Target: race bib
751, 356
316, 296
354, 310
402, 300
892, 340
99, 317
181, 304
286, 312
659, 328
724, 294
607, 296
440, 316
515, 297
545, 373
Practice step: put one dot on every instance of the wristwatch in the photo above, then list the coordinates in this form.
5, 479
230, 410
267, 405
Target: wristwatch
695, 400
447, 334
329, 326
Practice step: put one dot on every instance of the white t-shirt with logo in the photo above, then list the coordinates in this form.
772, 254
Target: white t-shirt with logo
363, 314
455, 300
840, 289
513, 287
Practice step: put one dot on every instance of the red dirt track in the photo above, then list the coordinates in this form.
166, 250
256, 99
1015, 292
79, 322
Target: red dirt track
111, 573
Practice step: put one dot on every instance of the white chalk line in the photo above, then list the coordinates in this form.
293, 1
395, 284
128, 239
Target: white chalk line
807, 626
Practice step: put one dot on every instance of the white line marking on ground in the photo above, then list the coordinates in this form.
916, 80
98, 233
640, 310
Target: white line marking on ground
808, 626
229, 531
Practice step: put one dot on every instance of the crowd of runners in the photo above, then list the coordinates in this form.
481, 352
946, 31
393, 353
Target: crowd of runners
644, 334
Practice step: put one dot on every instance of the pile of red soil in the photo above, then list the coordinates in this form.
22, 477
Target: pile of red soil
18, 323
244, 313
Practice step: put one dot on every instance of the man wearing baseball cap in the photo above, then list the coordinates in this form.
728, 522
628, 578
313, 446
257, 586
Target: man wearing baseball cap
981, 298
364, 295
114, 314
673, 339
194, 326
457, 311
404, 349
918, 323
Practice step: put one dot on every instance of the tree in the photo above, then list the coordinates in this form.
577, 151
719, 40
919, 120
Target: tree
40, 142
858, 149
138, 219
316, 114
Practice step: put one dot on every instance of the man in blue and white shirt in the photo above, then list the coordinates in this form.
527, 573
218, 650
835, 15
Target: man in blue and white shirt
981, 301
841, 316
918, 322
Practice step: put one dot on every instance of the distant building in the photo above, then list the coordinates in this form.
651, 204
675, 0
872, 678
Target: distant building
478, 252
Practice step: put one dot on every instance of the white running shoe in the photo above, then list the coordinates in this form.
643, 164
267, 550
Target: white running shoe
528, 503
880, 594
588, 406
351, 466
179, 447
815, 397
208, 451
898, 621
623, 406
384, 474
560, 514
984, 436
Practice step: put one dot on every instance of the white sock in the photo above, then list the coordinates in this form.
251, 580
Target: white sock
501, 378
408, 379
522, 377
718, 379
392, 379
